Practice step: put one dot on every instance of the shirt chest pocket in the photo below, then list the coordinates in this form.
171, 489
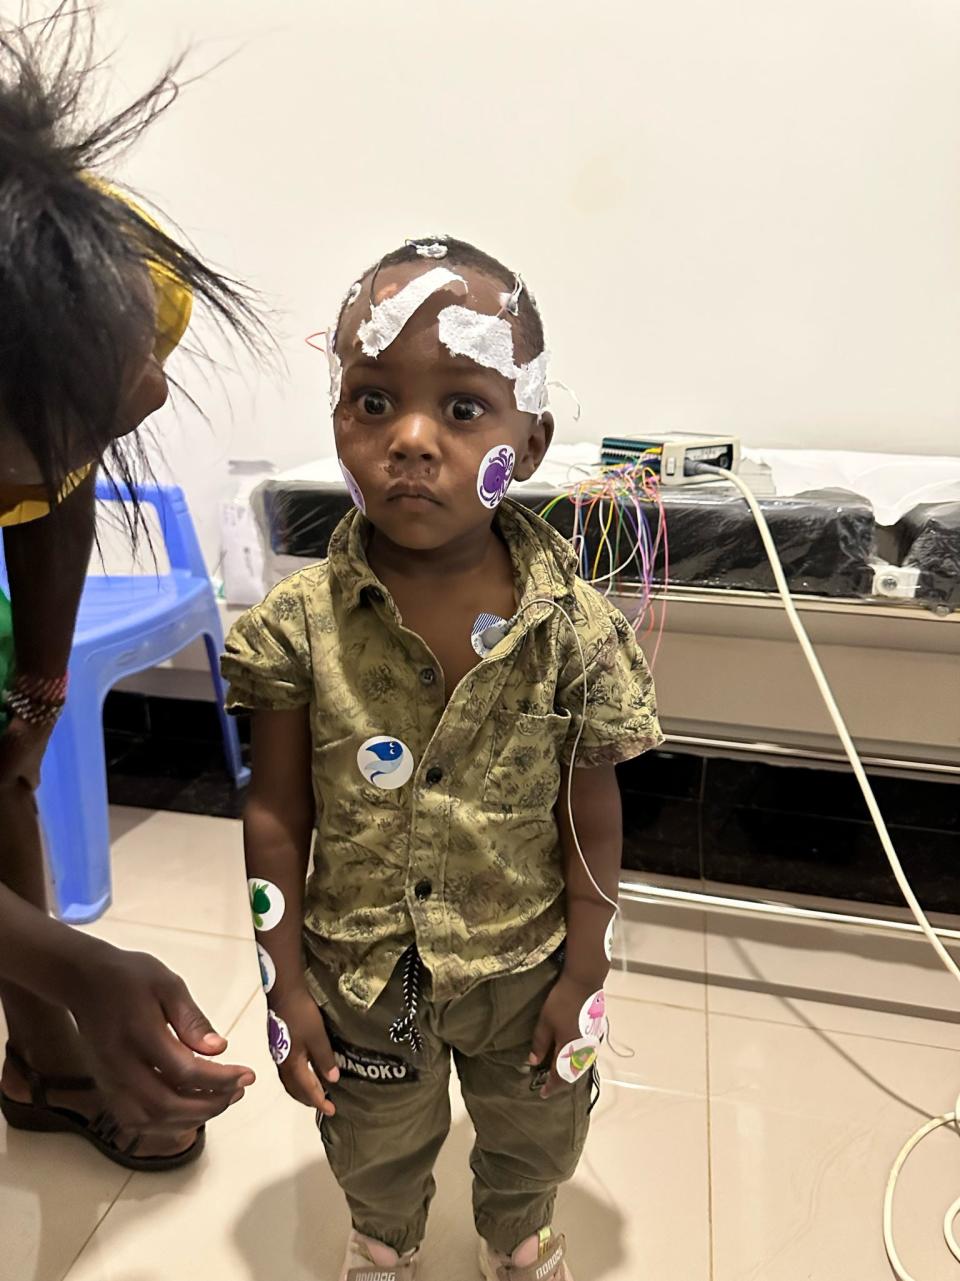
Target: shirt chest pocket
524, 769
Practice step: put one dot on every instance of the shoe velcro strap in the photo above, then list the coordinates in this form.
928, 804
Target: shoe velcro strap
547, 1268
403, 1271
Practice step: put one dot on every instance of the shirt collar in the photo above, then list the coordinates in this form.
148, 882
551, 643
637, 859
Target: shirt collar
544, 563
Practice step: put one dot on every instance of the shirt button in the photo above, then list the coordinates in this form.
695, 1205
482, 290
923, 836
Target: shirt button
423, 890
428, 675
434, 774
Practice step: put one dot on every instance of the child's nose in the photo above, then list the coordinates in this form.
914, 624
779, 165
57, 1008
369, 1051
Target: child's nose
414, 436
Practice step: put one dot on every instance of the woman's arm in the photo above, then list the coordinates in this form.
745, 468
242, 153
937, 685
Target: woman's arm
278, 826
47, 566
124, 1003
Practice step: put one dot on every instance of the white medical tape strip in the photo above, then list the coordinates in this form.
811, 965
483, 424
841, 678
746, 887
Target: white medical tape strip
432, 248
336, 371
488, 340
530, 391
389, 317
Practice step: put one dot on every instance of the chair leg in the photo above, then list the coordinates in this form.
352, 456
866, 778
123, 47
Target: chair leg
73, 809
228, 726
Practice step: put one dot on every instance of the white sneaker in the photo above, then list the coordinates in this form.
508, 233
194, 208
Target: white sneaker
369, 1260
550, 1265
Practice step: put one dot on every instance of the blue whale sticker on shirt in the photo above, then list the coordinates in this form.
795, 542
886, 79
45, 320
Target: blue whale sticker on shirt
385, 762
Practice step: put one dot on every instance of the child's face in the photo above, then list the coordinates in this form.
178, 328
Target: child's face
414, 425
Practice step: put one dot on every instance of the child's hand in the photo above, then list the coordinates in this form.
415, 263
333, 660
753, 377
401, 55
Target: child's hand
559, 1025
311, 1055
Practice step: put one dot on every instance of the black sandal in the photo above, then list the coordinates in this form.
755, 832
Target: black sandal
40, 1117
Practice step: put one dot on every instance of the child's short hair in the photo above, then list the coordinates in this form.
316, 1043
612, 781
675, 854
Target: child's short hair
460, 253
70, 246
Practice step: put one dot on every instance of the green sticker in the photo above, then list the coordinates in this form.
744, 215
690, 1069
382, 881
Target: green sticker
266, 903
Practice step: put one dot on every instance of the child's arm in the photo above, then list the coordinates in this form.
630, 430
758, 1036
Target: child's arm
598, 817
277, 829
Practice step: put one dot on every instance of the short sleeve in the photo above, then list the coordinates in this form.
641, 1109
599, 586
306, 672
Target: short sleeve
621, 718
267, 659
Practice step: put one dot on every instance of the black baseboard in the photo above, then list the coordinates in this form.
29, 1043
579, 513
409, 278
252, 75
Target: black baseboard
774, 827
789, 829
167, 754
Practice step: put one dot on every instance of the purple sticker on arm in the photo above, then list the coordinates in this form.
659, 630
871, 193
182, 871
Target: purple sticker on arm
278, 1037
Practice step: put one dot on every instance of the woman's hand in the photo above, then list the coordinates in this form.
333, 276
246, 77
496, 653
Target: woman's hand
310, 1058
125, 1005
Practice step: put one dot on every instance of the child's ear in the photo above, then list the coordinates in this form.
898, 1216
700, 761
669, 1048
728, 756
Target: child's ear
535, 446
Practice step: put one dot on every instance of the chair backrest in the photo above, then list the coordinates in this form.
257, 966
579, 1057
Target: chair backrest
173, 514
176, 523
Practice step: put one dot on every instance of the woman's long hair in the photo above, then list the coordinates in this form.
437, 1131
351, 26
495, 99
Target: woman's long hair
70, 247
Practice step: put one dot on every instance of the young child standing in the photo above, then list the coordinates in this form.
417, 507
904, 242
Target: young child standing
417, 700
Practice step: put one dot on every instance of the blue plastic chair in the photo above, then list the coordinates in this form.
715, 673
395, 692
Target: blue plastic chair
125, 625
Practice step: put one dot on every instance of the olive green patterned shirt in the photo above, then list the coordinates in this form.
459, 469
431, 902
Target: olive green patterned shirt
463, 859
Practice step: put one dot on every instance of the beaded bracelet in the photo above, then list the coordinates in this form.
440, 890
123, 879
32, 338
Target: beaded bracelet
38, 700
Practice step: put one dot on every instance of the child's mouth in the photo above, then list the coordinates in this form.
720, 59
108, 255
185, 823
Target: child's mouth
413, 495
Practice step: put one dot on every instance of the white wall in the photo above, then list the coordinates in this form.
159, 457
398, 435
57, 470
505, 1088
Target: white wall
739, 216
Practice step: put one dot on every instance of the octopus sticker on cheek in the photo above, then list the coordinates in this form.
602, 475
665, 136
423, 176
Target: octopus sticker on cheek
353, 489
495, 474
385, 762
268, 971
266, 904
576, 1058
278, 1037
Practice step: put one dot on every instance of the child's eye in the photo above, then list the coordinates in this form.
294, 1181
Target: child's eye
374, 403
465, 409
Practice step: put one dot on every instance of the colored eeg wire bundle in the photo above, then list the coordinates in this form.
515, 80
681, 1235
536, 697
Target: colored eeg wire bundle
616, 503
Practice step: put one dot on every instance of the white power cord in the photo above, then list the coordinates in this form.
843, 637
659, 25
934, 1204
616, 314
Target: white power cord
545, 600
950, 1118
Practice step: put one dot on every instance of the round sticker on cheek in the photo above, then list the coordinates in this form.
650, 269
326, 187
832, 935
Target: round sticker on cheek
268, 971
278, 1037
577, 1057
353, 489
495, 474
266, 903
593, 1016
385, 762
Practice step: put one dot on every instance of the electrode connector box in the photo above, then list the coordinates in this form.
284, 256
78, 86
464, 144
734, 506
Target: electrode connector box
668, 452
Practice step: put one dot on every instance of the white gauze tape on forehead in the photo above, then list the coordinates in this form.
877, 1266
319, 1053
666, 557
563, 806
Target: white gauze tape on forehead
389, 317
489, 341
333, 360
336, 371
530, 391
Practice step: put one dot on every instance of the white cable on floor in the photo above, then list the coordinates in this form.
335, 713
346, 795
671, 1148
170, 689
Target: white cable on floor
950, 1118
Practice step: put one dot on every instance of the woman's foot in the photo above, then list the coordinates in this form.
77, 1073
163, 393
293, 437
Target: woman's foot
85, 1103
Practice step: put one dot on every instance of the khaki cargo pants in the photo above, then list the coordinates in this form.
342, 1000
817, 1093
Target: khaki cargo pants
393, 1109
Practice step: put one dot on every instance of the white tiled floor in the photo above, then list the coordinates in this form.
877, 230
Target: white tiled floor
774, 1073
